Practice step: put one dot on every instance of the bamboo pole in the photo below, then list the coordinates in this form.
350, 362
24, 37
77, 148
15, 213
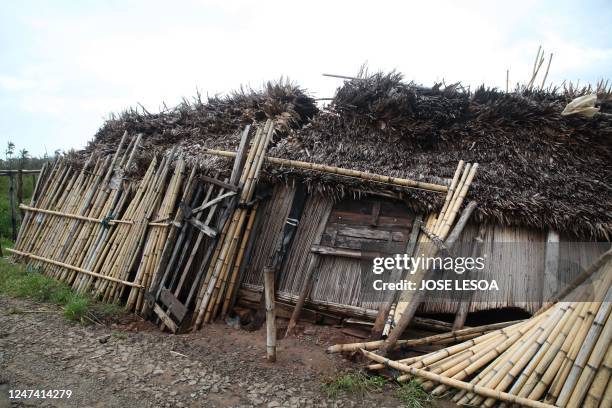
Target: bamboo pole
590, 369
74, 268
595, 394
400, 182
20, 188
451, 382
76, 216
567, 337
227, 245
442, 231
384, 312
585, 351
374, 345
450, 193
234, 276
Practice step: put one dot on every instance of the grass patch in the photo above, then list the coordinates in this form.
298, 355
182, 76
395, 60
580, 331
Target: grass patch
17, 282
413, 396
76, 308
356, 383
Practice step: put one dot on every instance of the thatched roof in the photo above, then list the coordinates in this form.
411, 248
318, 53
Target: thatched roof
538, 168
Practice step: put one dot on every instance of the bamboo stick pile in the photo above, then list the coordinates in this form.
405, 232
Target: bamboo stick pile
220, 280
560, 357
437, 228
97, 231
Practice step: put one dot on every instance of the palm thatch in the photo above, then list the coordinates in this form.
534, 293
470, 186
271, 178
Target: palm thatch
539, 168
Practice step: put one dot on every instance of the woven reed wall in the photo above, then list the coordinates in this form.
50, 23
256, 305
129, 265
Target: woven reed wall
268, 233
518, 269
298, 257
516, 260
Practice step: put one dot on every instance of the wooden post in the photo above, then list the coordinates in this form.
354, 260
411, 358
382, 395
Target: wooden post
240, 156
550, 284
460, 226
579, 280
20, 191
463, 306
270, 314
307, 285
11, 193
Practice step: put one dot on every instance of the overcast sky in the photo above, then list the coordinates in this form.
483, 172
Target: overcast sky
65, 65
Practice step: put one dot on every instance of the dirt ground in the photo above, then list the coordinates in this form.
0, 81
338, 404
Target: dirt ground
132, 364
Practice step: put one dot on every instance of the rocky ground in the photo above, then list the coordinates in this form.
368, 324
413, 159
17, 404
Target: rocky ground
134, 365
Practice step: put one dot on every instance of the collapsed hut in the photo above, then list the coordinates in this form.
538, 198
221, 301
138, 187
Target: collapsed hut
178, 214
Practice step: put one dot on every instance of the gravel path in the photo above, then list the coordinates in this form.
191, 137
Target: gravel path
132, 366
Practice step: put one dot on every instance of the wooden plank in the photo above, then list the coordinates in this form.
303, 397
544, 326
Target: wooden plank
361, 244
165, 318
376, 213
389, 223
211, 232
345, 253
173, 304
213, 202
364, 232
219, 183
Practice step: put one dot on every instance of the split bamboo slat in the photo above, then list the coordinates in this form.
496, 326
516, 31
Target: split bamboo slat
98, 231
560, 357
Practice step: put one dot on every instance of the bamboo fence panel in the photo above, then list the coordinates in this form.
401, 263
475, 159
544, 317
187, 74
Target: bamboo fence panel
96, 230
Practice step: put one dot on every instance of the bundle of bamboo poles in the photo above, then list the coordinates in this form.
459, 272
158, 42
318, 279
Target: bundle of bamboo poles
97, 231
437, 228
443, 338
220, 281
561, 356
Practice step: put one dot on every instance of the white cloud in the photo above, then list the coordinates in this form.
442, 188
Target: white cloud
82, 63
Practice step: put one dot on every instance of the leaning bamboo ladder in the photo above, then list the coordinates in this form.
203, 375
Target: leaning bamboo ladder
438, 228
561, 355
220, 280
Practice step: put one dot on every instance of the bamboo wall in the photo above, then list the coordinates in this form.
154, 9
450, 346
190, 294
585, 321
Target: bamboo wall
268, 233
518, 269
